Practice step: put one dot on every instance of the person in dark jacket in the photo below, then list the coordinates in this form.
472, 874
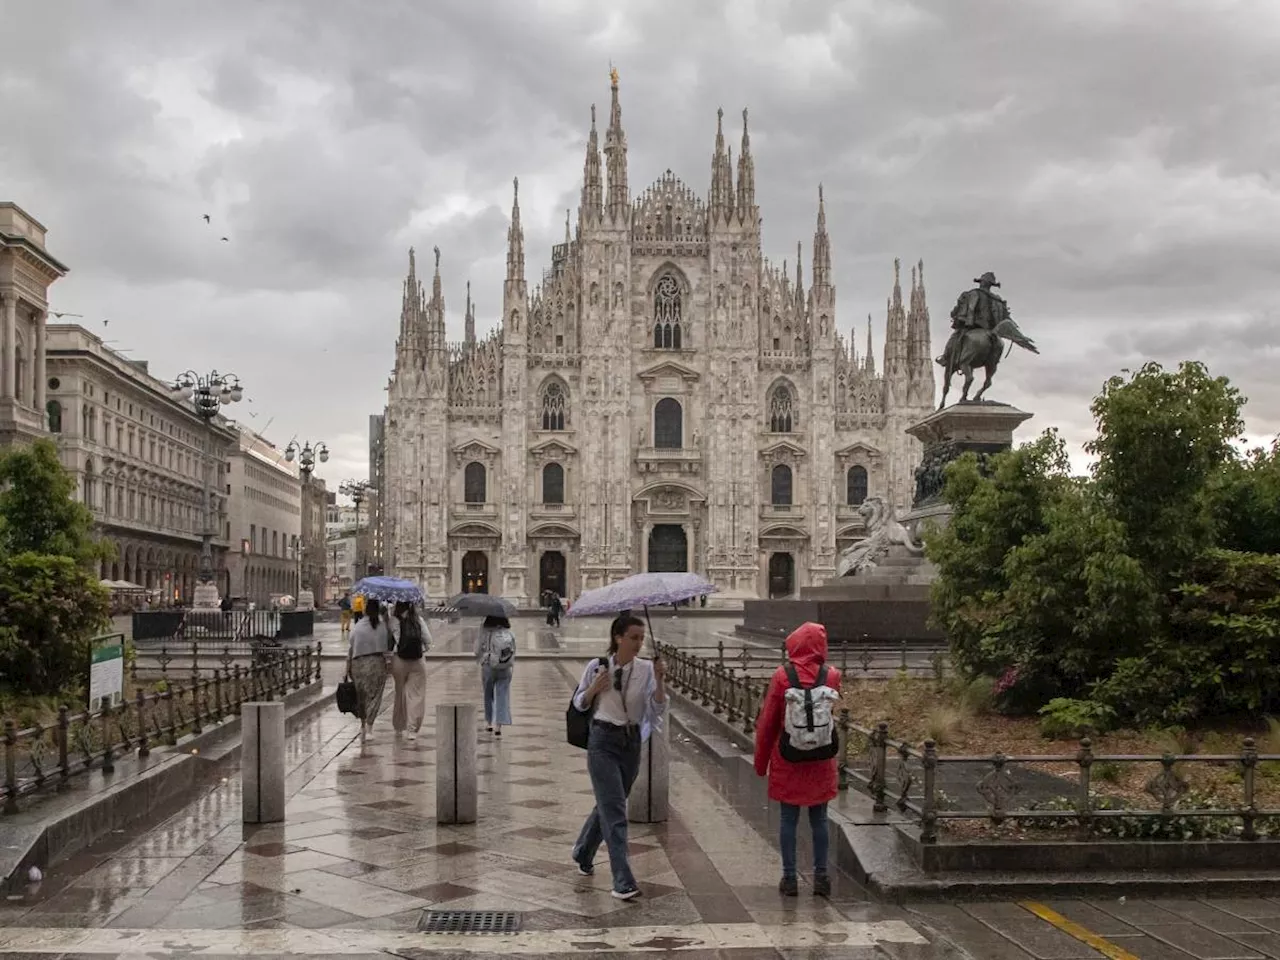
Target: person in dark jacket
810, 784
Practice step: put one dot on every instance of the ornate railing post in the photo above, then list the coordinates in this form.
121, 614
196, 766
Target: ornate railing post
236, 687
319, 674
10, 767
720, 652
735, 689
879, 779
64, 743
1249, 768
842, 767
170, 717
108, 749
904, 655
195, 662
749, 700
144, 749
1084, 799
929, 805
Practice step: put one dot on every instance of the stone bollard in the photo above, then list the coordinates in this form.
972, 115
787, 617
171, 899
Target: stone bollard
456, 785
262, 762
649, 801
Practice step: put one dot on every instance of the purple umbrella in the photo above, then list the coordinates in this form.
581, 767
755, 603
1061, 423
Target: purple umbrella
641, 590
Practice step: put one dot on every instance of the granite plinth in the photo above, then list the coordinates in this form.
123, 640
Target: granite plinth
853, 609
457, 799
650, 798
262, 762
205, 596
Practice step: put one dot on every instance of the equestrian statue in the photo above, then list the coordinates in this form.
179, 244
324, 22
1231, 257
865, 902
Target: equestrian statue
981, 321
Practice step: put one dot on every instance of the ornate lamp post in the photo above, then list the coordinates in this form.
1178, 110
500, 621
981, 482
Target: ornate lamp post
306, 455
208, 394
358, 491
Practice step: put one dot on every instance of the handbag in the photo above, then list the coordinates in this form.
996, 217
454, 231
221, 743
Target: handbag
577, 723
346, 696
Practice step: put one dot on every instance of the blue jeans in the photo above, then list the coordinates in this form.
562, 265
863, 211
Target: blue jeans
787, 838
613, 761
497, 696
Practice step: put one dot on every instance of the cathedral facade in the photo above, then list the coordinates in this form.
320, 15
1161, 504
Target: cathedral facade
665, 399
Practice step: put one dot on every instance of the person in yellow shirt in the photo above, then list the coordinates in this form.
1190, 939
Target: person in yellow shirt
357, 607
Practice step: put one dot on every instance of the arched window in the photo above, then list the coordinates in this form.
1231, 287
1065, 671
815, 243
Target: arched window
553, 406
473, 482
857, 485
553, 483
90, 486
54, 409
668, 424
667, 314
780, 486
781, 406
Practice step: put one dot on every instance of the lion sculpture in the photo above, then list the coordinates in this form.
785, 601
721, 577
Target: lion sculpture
883, 532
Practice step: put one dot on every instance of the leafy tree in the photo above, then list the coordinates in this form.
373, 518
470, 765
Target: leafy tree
1162, 437
1246, 502
39, 512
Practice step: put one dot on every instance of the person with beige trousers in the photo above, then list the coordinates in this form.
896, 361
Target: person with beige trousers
409, 671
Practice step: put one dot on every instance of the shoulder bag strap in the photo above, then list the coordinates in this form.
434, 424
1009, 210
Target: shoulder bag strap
792, 677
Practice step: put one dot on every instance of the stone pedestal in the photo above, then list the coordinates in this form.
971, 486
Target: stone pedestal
306, 600
456, 784
650, 801
205, 596
982, 427
262, 762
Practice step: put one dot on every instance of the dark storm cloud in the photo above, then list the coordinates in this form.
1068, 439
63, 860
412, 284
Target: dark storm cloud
1113, 163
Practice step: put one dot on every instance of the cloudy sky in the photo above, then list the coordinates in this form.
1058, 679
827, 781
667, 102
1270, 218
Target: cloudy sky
1111, 160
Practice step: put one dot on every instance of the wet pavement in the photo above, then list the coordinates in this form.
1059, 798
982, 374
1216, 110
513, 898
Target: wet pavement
360, 857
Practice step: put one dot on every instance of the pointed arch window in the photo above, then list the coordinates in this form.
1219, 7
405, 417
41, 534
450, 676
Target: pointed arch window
782, 417
553, 483
475, 483
668, 424
857, 485
554, 406
54, 409
667, 314
780, 486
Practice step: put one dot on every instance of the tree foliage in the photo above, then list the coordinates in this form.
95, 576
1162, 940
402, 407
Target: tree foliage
1113, 592
51, 603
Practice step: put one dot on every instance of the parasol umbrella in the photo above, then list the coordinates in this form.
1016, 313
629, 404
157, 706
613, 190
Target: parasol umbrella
389, 590
481, 605
641, 590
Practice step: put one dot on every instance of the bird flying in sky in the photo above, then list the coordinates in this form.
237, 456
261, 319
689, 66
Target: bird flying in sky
206, 218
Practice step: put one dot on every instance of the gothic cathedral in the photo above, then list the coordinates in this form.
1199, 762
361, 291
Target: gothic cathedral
665, 399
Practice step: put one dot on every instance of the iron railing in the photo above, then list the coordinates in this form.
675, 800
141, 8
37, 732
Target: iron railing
729, 686
49, 755
162, 659
234, 625
873, 659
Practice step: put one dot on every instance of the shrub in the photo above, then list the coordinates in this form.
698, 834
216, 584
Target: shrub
1063, 718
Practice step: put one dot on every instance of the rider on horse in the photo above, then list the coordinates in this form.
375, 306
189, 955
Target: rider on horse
977, 309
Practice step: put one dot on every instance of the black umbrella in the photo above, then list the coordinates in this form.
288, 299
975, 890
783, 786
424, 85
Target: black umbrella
481, 605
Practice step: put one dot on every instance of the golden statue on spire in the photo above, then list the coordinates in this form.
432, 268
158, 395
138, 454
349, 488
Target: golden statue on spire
613, 74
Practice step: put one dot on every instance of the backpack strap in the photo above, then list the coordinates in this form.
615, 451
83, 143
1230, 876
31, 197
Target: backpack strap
792, 677
822, 676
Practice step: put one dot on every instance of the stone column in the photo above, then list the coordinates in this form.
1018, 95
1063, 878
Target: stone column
649, 801
456, 773
39, 376
9, 374
644, 547
262, 762
689, 545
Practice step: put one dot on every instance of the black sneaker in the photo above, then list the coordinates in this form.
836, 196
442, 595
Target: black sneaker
822, 885
789, 887
629, 894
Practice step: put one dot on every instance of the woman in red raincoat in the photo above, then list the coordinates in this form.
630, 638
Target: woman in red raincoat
812, 784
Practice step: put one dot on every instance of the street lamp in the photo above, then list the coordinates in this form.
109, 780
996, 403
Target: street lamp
306, 455
208, 394
358, 491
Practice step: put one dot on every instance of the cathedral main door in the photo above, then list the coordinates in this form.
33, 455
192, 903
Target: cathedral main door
668, 549
551, 573
782, 575
475, 572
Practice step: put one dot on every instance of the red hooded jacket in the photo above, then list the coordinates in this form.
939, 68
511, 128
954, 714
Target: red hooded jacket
799, 784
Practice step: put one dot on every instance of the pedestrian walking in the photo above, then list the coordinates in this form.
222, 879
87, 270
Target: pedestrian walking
796, 748
344, 605
627, 697
371, 646
556, 609
496, 653
409, 672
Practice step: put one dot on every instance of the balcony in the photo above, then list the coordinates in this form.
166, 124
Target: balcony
668, 460
774, 512
476, 511
553, 511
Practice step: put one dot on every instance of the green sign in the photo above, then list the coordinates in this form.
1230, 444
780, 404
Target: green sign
106, 670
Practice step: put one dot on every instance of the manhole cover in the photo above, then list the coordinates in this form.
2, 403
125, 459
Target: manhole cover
469, 921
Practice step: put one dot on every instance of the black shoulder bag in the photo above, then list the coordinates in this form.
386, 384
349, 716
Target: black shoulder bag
577, 723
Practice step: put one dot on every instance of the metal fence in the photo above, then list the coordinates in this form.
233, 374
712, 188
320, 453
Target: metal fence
163, 659
49, 755
233, 625
733, 685
871, 658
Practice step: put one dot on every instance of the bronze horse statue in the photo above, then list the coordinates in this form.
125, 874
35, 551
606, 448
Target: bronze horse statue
982, 324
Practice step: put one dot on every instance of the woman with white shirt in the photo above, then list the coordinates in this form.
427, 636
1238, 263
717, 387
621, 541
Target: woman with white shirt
367, 663
627, 699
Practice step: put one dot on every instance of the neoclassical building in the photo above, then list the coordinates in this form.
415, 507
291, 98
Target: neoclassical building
666, 398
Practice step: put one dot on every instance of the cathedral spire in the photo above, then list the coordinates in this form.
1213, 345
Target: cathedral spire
592, 190
799, 281
821, 248
746, 175
435, 309
409, 307
469, 321
615, 149
895, 345
515, 237
919, 348
721, 176
870, 359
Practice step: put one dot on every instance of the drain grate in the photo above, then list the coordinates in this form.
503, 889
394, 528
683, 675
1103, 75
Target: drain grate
469, 921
